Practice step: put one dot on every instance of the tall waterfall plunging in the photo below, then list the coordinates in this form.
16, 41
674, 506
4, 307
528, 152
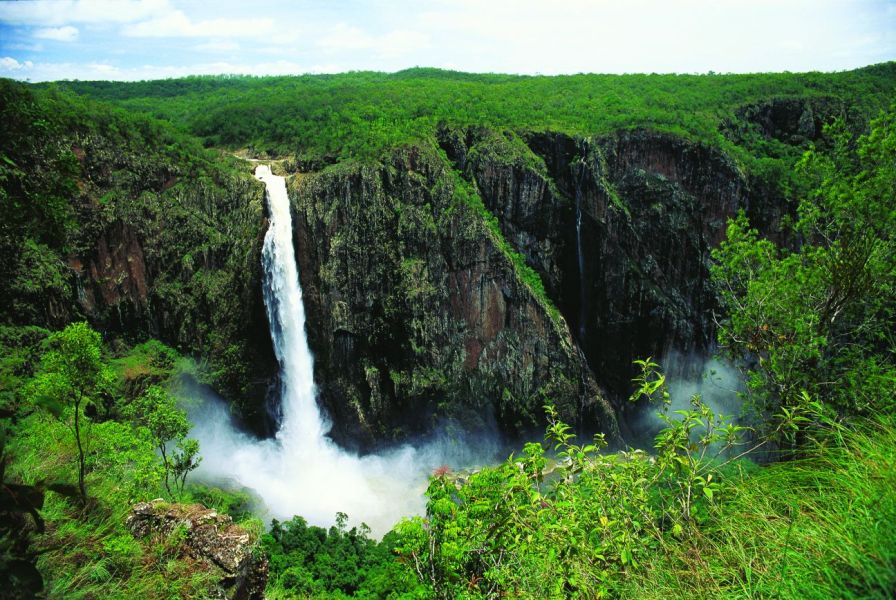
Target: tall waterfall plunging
302, 419
301, 471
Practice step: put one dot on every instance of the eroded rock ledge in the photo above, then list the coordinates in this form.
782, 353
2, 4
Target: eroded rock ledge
209, 538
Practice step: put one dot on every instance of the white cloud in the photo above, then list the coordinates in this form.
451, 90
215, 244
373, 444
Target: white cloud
526, 36
791, 45
401, 43
177, 24
8, 63
106, 70
217, 46
59, 34
342, 38
62, 12
55, 71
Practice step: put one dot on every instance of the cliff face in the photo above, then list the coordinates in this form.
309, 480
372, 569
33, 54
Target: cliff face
119, 221
182, 264
416, 312
417, 271
619, 227
653, 206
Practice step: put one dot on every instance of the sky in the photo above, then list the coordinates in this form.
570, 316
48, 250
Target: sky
152, 39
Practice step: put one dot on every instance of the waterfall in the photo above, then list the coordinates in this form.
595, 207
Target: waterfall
286, 317
580, 257
301, 471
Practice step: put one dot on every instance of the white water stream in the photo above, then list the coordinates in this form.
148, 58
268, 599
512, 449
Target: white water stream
301, 471
581, 263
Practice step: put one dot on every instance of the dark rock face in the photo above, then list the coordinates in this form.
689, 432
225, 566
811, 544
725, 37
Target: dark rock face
415, 312
418, 306
114, 276
519, 192
633, 279
182, 264
211, 539
654, 206
793, 121
124, 223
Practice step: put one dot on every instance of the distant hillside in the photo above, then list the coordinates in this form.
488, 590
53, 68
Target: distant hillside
362, 114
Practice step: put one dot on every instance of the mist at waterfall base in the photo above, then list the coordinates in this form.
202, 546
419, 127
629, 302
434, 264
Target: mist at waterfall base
315, 480
301, 471
717, 382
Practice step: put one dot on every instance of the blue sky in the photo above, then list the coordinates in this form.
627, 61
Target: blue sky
148, 39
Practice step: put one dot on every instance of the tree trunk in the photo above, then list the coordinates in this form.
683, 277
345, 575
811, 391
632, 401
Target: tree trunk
82, 468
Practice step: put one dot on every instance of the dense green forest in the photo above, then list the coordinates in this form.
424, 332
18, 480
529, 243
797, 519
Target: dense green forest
794, 498
360, 115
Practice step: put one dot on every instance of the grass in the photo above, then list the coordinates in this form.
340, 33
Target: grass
90, 553
819, 527
465, 193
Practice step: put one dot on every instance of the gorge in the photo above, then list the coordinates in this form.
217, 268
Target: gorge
366, 290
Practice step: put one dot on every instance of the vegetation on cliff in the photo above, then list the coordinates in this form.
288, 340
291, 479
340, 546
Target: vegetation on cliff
124, 221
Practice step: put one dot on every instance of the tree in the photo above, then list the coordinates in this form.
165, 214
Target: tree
185, 459
156, 410
818, 320
71, 374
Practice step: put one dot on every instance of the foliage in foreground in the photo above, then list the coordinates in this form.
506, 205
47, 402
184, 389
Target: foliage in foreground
79, 482
820, 527
623, 525
820, 318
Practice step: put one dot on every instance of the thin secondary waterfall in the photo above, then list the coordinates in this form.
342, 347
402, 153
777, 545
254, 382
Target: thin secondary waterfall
580, 257
301, 471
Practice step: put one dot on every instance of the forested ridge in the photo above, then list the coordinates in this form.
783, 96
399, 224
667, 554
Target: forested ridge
362, 114
129, 249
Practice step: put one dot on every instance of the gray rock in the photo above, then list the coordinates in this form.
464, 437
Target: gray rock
210, 538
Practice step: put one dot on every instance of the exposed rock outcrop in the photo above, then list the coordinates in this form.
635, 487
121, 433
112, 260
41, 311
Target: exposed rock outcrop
791, 120
210, 539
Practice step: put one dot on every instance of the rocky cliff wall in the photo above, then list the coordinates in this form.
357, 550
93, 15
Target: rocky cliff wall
416, 312
184, 265
632, 276
473, 278
153, 237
